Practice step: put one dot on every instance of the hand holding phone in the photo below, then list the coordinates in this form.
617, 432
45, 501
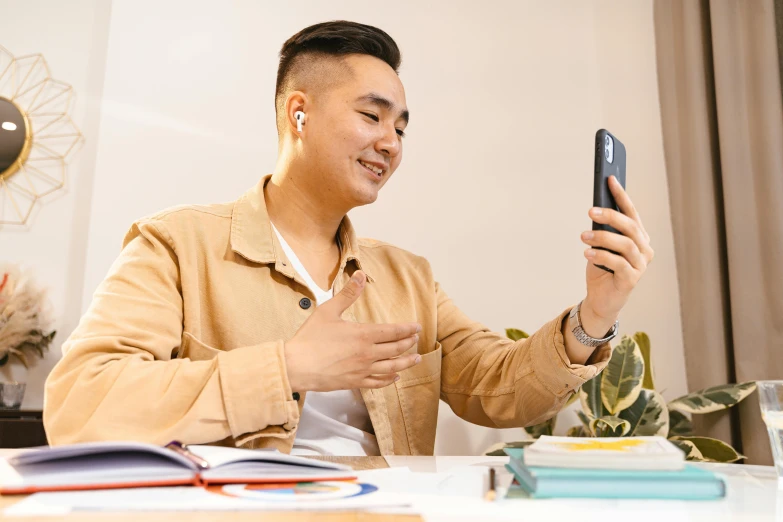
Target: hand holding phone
609, 161
607, 295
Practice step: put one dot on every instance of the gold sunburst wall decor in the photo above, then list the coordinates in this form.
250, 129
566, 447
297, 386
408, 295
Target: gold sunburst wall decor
37, 135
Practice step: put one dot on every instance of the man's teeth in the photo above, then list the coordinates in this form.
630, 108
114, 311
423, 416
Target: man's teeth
372, 168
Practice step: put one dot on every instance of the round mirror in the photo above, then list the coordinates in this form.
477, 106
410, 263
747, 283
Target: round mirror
15, 138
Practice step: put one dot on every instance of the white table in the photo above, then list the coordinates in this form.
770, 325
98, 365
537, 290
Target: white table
754, 495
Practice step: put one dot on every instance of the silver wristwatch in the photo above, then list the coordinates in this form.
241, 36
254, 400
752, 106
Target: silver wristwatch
575, 324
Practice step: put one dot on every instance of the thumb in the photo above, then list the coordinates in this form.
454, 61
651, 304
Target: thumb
350, 293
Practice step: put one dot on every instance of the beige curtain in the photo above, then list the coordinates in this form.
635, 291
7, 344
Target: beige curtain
722, 114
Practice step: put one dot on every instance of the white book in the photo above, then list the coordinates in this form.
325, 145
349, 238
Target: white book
105, 465
628, 453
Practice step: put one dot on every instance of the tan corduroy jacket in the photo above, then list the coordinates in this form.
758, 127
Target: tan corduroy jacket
184, 340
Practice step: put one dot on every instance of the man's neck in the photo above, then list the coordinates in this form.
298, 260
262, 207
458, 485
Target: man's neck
299, 213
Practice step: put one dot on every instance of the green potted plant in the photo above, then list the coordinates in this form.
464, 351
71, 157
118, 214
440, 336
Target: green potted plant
25, 329
622, 401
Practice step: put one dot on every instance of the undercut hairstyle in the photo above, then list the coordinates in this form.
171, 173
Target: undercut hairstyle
314, 58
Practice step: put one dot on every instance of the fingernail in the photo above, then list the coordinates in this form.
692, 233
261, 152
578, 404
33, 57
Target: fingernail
418, 328
590, 252
417, 360
397, 378
356, 277
597, 211
587, 235
416, 338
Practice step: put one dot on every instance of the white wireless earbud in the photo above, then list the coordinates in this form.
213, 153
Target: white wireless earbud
300, 116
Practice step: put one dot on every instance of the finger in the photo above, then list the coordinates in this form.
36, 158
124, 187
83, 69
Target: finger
622, 199
379, 381
622, 269
620, 244
384, 333
395, 365
347, 295
625, 204
624, 224
394, 349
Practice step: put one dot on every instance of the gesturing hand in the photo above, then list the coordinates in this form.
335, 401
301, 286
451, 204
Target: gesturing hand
327, 353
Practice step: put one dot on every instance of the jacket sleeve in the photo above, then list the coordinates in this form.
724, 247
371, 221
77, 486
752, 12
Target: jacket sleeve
119, 377
490, 380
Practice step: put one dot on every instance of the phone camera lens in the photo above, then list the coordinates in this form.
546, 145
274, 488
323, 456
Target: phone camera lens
608, 148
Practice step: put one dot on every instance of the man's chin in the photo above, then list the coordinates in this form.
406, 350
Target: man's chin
364, 194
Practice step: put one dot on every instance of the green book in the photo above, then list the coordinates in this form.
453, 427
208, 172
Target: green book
690, 483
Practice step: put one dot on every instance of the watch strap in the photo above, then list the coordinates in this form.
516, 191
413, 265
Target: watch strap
575, 324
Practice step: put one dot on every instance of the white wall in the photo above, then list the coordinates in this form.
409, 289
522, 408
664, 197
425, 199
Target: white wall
505, 100
72, 38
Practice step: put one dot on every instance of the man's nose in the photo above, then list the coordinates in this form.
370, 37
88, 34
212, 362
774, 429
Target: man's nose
389, 143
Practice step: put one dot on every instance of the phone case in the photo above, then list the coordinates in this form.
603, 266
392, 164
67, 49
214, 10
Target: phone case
602, 196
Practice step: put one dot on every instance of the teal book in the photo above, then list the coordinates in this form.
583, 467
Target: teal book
690, 483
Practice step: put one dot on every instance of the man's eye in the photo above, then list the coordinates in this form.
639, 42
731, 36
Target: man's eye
373, 117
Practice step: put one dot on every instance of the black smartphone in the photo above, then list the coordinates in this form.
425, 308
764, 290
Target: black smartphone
609, 161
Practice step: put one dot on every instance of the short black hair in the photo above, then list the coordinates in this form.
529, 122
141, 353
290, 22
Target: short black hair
337, 38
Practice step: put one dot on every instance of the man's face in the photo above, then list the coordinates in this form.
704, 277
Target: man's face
358, 121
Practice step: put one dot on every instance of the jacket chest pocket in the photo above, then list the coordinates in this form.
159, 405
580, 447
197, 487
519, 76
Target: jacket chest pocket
419, 393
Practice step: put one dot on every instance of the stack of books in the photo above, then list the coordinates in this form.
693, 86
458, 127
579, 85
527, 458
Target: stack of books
622, 467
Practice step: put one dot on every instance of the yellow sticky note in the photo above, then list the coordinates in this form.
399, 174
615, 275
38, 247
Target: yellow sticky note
615, 445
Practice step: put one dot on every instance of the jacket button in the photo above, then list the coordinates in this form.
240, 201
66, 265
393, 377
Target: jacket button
305, 303
295, 396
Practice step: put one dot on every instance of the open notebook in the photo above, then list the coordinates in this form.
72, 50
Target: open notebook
105, 465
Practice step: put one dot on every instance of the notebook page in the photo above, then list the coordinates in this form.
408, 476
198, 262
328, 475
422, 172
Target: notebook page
104, 469
219, 456
85, 449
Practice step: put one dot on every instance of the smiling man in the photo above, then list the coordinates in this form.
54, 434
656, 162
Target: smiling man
266, 323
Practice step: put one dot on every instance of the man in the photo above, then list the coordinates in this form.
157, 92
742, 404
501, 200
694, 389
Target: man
267, 323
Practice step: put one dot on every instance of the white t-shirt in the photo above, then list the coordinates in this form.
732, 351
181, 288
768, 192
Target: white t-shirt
335, 422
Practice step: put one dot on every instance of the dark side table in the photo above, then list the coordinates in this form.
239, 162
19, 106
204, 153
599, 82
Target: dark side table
21, 429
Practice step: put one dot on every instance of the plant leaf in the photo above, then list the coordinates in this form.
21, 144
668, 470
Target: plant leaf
544, 428
496, 450
622, 378
679, 424
655, 419
609, 426
20, 355
643, 340
689, 448
648, 415
515, 335
713, 399
712, 450
585, 419
576, 431
633, 413
590, 397
573, 398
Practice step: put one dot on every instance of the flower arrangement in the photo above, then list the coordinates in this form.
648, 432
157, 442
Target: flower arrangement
25, 317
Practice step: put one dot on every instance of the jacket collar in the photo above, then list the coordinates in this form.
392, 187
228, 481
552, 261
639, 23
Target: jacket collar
252, 236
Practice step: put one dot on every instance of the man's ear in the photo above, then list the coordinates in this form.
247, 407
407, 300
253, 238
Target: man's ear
296, 102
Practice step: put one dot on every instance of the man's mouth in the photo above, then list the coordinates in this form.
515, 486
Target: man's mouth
372, 168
